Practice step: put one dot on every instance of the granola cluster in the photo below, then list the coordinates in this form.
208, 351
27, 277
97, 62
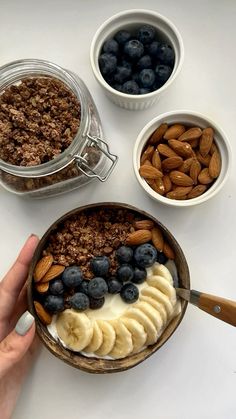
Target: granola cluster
39, 118
88, 234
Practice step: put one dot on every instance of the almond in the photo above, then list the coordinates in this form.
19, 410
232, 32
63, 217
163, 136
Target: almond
203, 160
42, 287
166, 151
144, 225
213, 148
45, 317
168, 252
195, 169
149, 172
157, 239
42, 267
171, 163
174, 131
180, 178
179, 192
151, 182
156, 160
158, 186
194, 143
197, 191
167, 183
204, 177
147, 163
53, 272
185, 166
147, 154
215, 165
206, 141
181, 148
138, 237
158, 134
191, 134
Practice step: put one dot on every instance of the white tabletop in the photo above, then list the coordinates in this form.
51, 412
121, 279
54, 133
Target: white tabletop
194, 375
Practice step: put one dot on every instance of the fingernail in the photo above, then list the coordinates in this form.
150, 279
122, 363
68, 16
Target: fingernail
24, 323
33, 235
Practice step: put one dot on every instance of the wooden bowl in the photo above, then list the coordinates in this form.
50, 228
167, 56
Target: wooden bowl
102, 366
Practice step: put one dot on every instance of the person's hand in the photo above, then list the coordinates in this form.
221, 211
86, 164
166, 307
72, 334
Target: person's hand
17, 330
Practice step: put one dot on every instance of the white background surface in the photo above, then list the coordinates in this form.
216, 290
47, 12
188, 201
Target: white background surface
194, 375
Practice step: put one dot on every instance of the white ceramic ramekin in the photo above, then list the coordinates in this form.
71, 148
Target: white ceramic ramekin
129, 19
190, 118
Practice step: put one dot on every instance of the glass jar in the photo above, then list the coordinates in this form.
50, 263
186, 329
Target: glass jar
86, 158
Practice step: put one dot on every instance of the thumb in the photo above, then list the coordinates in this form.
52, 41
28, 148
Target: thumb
17, 343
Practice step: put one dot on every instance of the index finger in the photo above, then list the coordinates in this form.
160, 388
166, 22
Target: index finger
14, 280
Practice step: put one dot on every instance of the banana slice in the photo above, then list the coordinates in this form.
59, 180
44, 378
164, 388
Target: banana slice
137, 314
74, 329
159, 269
139, 336
109, 337
153, 314
158, 306
160, 297
123, 343
164, 286
96, 340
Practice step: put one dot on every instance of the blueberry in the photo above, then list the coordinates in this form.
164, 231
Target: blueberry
145, 255
79, 301
95, 303
117, 86
84, 287
56, 287
111, 46
166, 54
107, 63
54, 303
146, 34
140, 275
122, 37
129, 293
122, 74
135, 77
161, 258
97, 287
125, 272
126, 64
100, 265
114, 286
124, 254
163, 72
72, 277
130, 87
153, 48
147, 77
144, 91
134, 49
144, 62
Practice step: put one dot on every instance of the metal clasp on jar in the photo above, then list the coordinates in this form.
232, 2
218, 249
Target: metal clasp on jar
85, 168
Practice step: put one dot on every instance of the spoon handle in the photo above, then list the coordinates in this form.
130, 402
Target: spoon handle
216, 306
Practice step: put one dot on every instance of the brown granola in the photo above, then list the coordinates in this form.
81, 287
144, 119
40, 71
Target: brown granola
88, 234
39, 118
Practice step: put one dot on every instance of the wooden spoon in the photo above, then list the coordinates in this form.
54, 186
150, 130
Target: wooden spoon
221, 308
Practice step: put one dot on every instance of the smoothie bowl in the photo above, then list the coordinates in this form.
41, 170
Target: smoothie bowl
102, 287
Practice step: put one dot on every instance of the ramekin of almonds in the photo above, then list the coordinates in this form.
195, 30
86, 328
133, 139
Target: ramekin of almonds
102, 287
135, 56
182, 158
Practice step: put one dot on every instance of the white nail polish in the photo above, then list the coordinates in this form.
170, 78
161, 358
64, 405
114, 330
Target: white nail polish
24, 323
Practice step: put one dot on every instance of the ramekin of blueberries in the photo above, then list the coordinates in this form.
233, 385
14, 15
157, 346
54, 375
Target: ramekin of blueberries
135, 55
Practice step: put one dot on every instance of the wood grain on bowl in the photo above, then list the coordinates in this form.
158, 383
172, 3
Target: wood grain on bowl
92, 364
